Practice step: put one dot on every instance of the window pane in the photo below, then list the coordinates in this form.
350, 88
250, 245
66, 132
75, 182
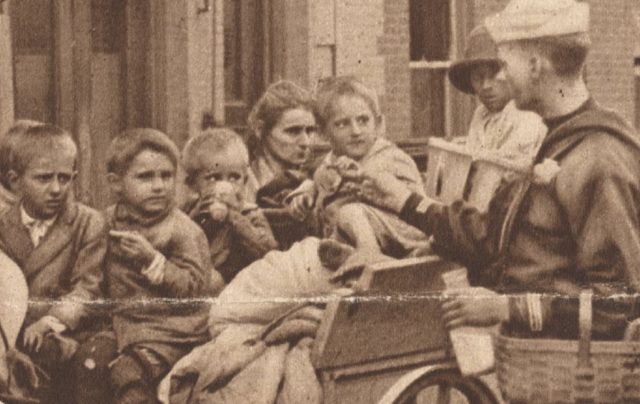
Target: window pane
427, 102
232, 50
107, 25
430, 30
32, 33
31, 26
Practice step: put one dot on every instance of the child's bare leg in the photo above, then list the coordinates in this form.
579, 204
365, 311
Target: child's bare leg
353, 223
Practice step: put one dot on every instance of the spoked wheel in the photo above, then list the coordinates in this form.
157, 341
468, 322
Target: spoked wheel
446, 386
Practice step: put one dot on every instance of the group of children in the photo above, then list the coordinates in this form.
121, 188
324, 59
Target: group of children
121, 295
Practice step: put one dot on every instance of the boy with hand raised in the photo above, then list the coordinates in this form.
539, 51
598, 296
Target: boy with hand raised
217, 166
156, 255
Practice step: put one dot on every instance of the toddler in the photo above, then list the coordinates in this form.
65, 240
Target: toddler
217, 164
351, 120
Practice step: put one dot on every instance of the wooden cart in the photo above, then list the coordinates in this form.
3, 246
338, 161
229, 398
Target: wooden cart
389, 345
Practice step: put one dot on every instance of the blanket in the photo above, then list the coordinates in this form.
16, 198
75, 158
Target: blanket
262, 327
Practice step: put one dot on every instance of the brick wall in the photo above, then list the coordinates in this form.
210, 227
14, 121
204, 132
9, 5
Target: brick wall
393, 45
369, 39
610, 67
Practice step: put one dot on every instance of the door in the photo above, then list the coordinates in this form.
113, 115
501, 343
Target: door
245, 46
72, 61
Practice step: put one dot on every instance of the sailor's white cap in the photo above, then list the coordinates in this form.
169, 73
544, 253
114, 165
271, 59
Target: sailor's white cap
528, 19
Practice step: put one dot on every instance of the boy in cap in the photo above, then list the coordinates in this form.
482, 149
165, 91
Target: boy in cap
573, 224
497, 124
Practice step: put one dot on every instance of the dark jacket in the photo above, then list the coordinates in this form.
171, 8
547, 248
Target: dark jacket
64, 271
580, 231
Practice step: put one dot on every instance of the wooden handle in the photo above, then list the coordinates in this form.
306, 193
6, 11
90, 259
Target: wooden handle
585, 316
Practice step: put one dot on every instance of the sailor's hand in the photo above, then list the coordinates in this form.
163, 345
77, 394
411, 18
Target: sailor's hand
383, 189
476, 307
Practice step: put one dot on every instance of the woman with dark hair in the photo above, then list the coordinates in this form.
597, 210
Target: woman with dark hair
283, 126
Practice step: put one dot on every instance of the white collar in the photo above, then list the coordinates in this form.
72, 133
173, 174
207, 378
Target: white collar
29, 221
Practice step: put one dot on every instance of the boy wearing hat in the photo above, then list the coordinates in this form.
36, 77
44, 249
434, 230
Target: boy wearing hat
497, 124
573, 224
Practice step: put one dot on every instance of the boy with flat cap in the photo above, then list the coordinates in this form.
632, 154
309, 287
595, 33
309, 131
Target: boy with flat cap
497, 124
573, 224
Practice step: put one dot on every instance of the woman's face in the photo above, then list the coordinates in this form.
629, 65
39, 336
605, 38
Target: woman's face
291, 137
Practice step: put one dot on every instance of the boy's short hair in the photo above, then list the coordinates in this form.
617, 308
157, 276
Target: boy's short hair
128, 144
331, 88
6, 145
36, 140
210, 141
567, 53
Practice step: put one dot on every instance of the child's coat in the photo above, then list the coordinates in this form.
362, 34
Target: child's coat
331, 195
243, 238
64, 271
160, 315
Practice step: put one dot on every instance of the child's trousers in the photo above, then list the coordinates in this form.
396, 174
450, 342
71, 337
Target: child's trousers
136, 372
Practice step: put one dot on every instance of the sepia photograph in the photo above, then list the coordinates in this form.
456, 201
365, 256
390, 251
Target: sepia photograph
319, 201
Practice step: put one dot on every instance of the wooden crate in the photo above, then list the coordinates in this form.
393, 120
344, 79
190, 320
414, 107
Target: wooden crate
453, 173
448, 168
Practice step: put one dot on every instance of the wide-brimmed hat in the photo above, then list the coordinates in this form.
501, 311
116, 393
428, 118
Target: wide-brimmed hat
480, 49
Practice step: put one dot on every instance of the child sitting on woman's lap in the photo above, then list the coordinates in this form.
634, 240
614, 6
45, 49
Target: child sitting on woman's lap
351, 120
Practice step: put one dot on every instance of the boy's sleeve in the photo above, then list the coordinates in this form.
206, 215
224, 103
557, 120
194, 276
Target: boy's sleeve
185, 269
252, 232
87, 274
404, 168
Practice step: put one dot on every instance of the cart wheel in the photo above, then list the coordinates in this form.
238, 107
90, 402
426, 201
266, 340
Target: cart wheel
445, 386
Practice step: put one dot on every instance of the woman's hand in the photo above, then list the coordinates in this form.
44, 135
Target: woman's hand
301, 205
476, 307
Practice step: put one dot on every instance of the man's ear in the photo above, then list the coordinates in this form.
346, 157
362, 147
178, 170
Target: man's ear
259, 127
536, 66
13, 178
381, 125
115, 183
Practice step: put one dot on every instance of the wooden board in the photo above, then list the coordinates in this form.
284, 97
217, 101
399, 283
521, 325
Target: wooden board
397, 315
486, 176
448, 168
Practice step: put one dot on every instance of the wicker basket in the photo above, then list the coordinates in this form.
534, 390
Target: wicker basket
569, 371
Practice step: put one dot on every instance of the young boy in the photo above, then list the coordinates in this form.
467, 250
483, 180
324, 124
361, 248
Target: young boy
7, 198
217, 163
497, 124
351, 119
58, 244
157, 263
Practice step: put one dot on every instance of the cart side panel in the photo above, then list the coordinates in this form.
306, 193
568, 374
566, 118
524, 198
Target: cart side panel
404, 320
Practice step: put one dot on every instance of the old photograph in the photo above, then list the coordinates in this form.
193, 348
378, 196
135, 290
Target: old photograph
319, 201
